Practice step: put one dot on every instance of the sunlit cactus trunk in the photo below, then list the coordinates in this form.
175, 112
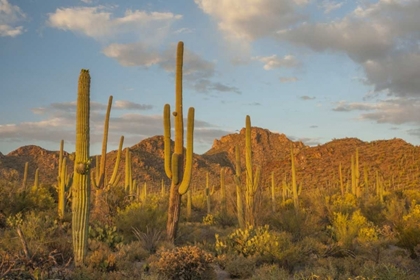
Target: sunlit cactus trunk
174, 162
81, 181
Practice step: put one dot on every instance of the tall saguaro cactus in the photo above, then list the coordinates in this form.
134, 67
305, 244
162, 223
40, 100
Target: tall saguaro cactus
252, 180
174, 162
81, 180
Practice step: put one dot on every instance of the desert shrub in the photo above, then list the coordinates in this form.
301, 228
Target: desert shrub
300, 223
385, 272
337, 203
270, 272
106, 234
247, 242
199, 234
209, 220
373, 210
149, 239
140, 217
409, 230
239, 266
346, 228
188, 262
224, 219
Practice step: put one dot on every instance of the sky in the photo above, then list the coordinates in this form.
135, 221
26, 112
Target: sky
315, 70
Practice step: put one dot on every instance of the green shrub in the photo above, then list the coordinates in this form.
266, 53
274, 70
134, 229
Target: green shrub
140, 217
247, 242
239, 266
270, 272
189, 262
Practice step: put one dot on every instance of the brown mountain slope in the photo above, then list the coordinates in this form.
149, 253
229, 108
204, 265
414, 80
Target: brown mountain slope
395, 160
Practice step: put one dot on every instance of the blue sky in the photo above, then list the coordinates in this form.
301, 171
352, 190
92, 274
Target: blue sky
314, 70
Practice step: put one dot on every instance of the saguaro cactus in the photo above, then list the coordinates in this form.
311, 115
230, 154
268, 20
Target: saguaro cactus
208, 194
223, 191
64, 182
98, 176
25, 176
81, 181
252, 180
174, 165
294, 184
239, 193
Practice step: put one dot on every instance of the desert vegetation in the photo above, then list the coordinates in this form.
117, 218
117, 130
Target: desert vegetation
234, 213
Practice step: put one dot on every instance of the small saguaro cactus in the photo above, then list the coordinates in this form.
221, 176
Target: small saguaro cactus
174, 162
223, 191
208, 194
273, 192
64, 182
239, 193
25, 176
81, 181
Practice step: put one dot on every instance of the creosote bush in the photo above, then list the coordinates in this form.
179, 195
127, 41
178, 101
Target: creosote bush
188, 262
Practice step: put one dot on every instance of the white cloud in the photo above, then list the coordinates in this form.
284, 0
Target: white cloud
272, 62
59, 123
330, 6
383, 37
393, 111
10, 15
344, 106
128, 105
99, 22
249, 19
196, 70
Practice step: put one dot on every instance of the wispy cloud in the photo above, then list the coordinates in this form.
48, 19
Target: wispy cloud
344, 106
273, 62
59, 123
288, 79
393, 111
329, 6
10, 15
306, 97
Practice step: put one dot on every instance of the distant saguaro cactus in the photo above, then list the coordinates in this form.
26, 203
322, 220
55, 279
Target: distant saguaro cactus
81, 181
174, 165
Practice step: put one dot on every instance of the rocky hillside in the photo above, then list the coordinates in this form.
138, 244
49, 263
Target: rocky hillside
396, 161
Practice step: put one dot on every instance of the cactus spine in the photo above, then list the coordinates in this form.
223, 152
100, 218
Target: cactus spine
252, 180
81, 181
174, 166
